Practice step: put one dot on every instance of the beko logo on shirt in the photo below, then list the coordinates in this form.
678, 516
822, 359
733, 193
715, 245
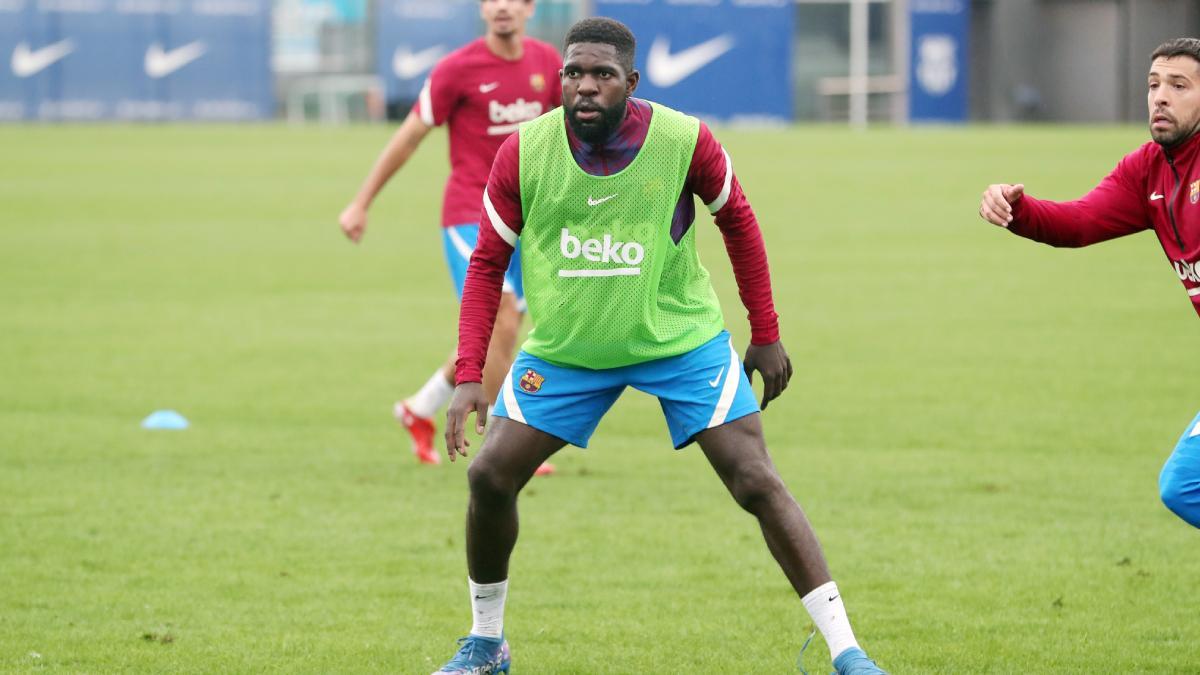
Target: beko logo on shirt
1187, 271
604, 250
519, 110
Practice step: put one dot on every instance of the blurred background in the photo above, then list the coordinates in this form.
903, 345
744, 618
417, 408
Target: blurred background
760, 61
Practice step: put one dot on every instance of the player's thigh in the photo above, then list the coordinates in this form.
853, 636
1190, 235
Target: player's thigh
701, 389
512, 451
514, 283
508, 321
737, 451
563, 402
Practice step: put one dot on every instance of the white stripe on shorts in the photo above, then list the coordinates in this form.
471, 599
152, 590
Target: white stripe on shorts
510, 400
731, 384
465, 251
460, 244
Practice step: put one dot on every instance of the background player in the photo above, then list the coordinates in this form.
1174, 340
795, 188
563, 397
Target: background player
481, 92
1154, 187
602, 195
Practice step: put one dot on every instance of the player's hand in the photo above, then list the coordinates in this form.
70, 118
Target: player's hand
996, 207
468, 398
773, 363
353, 221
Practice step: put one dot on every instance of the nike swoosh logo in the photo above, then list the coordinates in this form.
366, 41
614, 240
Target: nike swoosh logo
1154, 196
832, 598
27, 62
161, 63
486, 88
408, 64
713, 382
597, 202
666, 69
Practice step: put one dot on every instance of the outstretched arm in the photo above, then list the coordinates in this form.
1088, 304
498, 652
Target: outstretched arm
403, 143
1114, 208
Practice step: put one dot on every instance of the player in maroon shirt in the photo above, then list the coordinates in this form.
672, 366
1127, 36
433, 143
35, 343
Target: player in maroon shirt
1156, 187
481, 92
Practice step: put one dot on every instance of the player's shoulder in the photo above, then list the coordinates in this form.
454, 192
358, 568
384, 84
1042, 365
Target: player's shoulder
463, 56
1143, 159
1147, 152
543, 49
684, 126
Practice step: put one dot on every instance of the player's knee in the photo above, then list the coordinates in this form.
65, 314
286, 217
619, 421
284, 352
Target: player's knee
489, 485
755, 485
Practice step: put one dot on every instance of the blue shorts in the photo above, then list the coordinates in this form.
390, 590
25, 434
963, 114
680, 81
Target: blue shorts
698, 390
459, 243
1179, 481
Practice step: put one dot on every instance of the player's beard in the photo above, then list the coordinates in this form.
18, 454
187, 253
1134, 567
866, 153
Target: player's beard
1177, 134
599, 129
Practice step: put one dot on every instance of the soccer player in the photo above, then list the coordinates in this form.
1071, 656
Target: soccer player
600, 193
481, 92
1156, 187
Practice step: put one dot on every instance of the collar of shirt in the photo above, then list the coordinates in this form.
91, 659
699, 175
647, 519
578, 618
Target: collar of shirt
620, 148
1185, 151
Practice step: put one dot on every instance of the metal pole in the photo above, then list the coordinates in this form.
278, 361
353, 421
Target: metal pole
859, 38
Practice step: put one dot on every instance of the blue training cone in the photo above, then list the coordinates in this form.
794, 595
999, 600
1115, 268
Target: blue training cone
165, 419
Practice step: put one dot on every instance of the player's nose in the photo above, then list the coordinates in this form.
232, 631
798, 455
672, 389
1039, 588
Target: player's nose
588, 86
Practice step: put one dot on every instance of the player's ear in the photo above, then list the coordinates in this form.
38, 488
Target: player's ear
631, 82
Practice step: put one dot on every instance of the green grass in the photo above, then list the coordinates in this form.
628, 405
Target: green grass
975, 427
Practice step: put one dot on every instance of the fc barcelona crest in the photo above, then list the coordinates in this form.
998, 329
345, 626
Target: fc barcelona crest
1194, 194
537, 81
531, 381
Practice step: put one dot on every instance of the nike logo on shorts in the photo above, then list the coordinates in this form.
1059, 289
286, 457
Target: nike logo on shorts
713, 382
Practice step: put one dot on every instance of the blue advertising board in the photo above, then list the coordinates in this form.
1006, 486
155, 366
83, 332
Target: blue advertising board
414, 34
938, 60
135, 60
718, 59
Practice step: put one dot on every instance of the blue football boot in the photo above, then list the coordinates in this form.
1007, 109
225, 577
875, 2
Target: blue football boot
479, 656
854, 661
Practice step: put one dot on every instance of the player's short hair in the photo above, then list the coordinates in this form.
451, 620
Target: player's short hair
1178, 47
604, 30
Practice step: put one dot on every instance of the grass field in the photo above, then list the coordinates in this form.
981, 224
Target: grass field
975, 428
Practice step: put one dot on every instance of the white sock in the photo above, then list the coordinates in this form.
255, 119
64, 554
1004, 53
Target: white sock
487, 608
436, 392
824, 605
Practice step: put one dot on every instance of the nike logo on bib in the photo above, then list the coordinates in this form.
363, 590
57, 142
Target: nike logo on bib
598, 202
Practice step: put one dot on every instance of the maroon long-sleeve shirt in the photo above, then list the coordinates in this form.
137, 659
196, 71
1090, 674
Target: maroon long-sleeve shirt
710, 177
1152, 188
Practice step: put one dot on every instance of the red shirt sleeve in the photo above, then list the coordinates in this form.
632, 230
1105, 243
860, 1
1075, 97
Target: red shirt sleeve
711, 178
499, 226
440, 95
1114, 208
